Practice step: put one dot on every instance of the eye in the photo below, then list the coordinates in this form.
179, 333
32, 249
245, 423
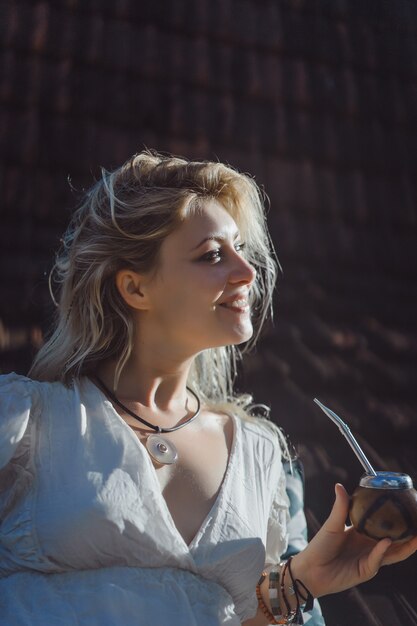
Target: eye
213, 256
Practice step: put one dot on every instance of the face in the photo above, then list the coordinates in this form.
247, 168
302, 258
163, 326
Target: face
199, 296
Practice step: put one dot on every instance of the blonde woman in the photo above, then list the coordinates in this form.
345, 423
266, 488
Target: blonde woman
135, 487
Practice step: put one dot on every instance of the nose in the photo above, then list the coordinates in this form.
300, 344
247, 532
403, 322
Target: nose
243, 272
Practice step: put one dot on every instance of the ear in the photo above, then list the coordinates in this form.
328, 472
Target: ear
131, 287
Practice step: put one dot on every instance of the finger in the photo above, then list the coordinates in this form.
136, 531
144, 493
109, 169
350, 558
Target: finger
376, 557
400, 552
336, 520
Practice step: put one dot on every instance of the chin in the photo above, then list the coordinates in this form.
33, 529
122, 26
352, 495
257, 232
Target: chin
241, 336
232, 340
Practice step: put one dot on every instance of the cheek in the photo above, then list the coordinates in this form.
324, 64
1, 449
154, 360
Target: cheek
213, 281
206, 283
190, 292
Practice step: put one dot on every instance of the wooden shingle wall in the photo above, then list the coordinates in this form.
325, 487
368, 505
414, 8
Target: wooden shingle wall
318, 100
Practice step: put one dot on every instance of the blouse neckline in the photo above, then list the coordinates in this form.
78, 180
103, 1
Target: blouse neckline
221, 493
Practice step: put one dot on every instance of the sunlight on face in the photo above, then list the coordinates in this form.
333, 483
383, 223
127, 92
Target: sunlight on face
199, 297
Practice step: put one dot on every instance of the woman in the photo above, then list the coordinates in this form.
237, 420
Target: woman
136, 488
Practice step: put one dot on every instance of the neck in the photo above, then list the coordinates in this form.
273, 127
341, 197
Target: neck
151, 391
156, 427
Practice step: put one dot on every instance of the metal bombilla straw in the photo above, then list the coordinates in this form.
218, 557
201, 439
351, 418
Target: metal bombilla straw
345, 430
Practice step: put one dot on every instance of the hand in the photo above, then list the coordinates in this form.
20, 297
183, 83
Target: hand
338, 557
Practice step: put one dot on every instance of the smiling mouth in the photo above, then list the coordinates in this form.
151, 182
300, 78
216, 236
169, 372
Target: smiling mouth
241, 305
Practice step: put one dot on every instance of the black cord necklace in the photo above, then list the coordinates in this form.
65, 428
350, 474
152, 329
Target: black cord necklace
160, 448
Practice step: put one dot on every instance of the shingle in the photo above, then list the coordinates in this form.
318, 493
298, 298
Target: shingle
92, 40
316, 98
8, 63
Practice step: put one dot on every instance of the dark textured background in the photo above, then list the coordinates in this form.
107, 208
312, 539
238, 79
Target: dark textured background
318, 100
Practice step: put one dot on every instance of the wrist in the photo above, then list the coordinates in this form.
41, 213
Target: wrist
302, 571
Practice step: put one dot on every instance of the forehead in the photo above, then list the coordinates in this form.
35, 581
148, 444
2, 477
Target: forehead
210, 219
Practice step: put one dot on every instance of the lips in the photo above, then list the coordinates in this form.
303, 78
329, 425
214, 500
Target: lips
240, 303
237, 302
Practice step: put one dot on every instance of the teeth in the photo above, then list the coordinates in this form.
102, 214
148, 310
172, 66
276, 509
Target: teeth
237, 303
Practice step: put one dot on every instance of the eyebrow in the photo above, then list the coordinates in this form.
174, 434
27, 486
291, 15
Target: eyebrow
221, 237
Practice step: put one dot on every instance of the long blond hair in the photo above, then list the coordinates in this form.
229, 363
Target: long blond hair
121, 223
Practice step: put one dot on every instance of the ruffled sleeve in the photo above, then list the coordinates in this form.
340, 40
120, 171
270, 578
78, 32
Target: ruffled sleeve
18, 399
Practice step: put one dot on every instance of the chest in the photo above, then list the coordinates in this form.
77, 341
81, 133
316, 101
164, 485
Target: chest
99, 499
191, 485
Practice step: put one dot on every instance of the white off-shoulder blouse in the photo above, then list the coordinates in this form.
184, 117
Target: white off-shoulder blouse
86, 536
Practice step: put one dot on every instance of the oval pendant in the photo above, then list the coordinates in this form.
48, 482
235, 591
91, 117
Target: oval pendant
161, 450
